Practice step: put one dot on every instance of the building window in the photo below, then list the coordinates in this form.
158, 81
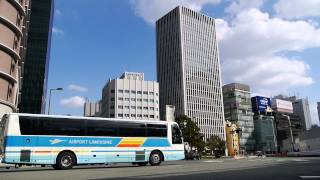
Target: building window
145, 100
127, 91
151, 108
139, 115
151, 93
151, 100
133, 92
127, 99
133, 99
120, 115
127, 107
145, 108
120, 98
120, 107
139, 92
157, 101
139, 107
111, 107
151, 116
157, 109
157, 94
112, 91
127, 115
145, 92
120, 91
133, 115
139, 100
112, 99
112, 115
133, 107
145, 115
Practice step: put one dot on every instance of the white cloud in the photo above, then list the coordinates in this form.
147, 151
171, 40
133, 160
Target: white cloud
242, 5
74, 87
152, 10
297, 8
268, 75
254, 33
57, 31
73, 102
250, 44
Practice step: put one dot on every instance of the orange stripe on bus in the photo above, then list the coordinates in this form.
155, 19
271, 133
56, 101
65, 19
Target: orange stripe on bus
129, 145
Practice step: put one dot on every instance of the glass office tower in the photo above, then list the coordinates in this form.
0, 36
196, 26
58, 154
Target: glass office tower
36, 66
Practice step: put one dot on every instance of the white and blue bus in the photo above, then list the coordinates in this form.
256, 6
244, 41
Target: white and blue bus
65, 141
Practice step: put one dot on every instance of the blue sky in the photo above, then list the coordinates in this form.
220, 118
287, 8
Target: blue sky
269, 45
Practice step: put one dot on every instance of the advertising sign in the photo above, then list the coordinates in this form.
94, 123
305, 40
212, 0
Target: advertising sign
282, 105
260, 104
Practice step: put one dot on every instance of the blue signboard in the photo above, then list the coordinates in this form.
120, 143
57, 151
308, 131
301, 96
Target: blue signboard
260, 104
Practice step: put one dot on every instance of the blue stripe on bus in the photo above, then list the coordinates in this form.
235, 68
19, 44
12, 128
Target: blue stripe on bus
156, 142
58, 141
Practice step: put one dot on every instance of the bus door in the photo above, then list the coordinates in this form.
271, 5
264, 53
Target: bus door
176, 141
25, 142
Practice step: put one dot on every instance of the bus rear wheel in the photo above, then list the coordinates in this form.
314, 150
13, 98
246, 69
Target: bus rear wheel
155, 158
65, 160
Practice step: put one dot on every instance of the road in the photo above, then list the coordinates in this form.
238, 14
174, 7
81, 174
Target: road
250, 168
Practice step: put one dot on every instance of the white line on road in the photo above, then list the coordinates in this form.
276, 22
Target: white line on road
310, 177
213, 161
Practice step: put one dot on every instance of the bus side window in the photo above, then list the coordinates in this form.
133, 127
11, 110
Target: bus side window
132, 129
101, 128
156, 130
176, 135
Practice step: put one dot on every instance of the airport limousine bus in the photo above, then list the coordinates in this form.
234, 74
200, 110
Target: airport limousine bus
65, 141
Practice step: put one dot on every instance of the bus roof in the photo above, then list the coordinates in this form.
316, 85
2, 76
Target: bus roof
90, 118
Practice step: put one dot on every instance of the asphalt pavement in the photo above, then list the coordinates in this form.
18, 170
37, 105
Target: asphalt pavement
248, 168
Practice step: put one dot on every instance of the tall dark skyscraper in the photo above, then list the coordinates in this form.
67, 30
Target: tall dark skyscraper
35, 70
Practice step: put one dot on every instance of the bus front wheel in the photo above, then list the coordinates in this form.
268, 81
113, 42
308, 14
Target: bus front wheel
155, 158
65, 160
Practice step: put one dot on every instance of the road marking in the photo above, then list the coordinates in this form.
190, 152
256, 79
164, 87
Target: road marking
310, 177
213, 161
300, 160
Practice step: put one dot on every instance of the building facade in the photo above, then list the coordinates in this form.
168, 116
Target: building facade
264, 125
130, 97
318, 111
14, 17
265, 134
188, 69
283, 128
238, 110
232, 139
302, 109
36, 65
92, 109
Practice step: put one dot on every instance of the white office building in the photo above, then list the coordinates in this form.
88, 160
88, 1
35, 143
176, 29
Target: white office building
91, 109
130, 97
188, 69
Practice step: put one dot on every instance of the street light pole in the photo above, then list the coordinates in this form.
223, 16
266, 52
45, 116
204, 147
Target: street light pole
56, 89
292, 143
